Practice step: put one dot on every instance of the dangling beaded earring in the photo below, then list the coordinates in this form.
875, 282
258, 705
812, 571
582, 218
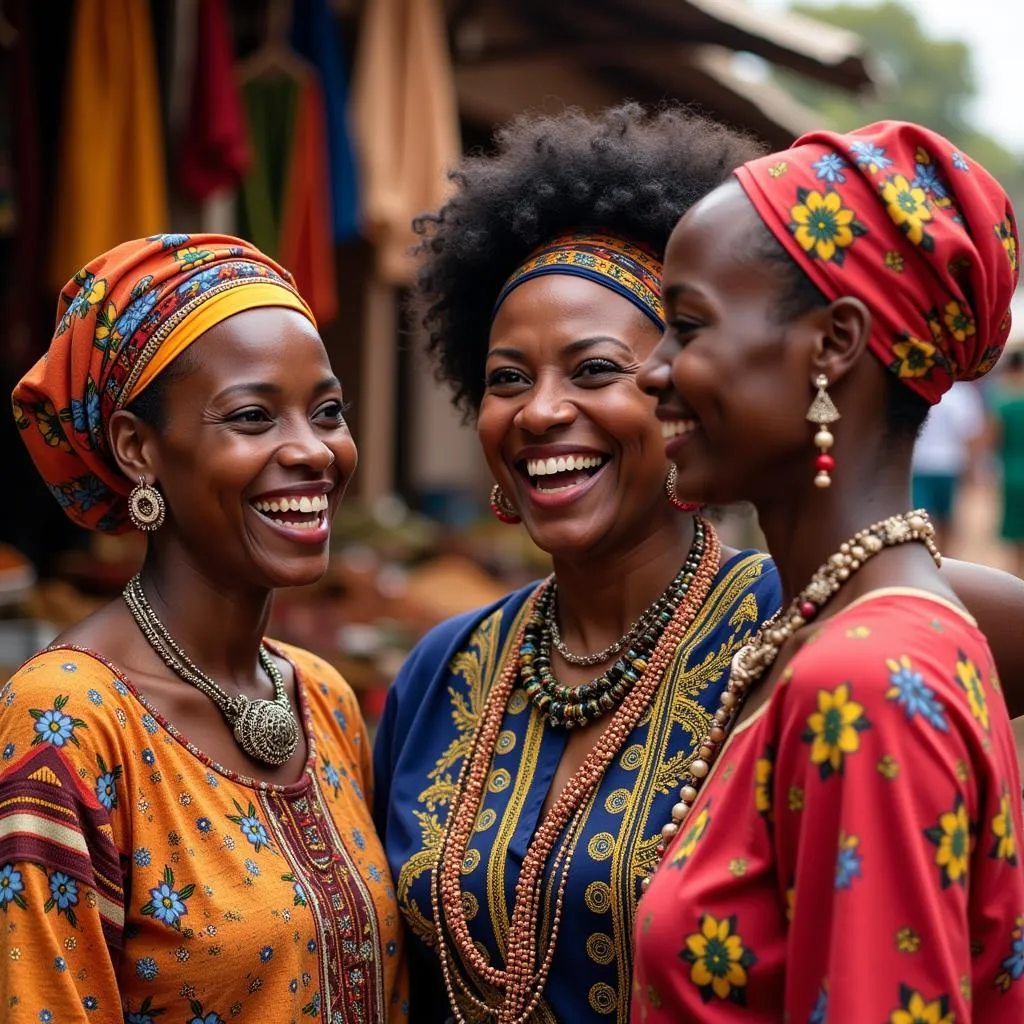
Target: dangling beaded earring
502, 508
146, 506
822, 412
673, 497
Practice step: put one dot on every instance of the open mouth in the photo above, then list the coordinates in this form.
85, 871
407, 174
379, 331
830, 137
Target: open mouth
563, 472
677, 428
296, 513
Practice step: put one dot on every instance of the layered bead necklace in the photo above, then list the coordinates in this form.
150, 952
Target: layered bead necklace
570, 706
520, 985
755, 658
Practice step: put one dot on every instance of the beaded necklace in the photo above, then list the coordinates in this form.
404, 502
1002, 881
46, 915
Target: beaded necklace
521, 983
755, 658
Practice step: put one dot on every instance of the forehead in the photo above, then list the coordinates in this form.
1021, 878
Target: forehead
560, 308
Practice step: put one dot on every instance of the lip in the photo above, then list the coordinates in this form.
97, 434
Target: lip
315, 536
559, 499
309, 489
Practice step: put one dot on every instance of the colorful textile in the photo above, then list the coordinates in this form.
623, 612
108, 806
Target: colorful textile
618, 264
139, 878
895, 215
125, 311
855, 855
1008, 407
111, 182
425, 735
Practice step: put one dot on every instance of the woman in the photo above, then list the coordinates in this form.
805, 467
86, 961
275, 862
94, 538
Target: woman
850, 852
183, 823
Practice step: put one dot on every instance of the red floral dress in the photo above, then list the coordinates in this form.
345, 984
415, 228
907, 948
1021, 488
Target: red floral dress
854, 858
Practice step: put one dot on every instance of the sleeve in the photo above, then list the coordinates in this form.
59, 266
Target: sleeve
884, 783
61, 882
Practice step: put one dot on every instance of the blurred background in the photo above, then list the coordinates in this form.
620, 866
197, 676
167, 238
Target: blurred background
319, 128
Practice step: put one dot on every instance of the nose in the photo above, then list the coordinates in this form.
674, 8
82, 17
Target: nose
546, 406
655, 374
304, 447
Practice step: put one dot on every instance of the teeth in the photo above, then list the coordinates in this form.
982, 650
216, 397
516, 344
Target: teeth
674, 428
311, 525
545, 467
318, 503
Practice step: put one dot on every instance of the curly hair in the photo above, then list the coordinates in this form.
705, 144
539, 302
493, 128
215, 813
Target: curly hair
631, 171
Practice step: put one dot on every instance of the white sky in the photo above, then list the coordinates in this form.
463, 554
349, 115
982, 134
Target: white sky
994, 32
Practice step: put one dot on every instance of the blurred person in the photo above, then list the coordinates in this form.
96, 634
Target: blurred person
530, 751
849, 851
184, 829
1008, 428
947, 454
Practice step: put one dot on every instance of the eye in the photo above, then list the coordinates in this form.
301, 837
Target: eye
597, 367
505, 376
250, 416
682, 327
333, 411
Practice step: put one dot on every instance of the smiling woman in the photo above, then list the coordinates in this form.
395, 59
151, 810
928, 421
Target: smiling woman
190, 863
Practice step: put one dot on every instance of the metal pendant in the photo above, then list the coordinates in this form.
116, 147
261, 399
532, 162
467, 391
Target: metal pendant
266, 730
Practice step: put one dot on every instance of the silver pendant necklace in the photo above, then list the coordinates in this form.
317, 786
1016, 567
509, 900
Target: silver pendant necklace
265, 729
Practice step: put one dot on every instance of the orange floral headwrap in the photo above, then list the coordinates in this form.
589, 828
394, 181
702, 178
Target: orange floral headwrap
896, 216
121, 321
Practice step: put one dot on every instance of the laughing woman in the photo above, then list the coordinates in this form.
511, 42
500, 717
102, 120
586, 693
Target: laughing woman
184, 834
850, 852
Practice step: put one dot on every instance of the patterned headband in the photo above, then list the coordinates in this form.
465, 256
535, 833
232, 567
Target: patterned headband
609, 260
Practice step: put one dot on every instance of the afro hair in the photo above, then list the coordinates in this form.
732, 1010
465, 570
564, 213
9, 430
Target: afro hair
628, 170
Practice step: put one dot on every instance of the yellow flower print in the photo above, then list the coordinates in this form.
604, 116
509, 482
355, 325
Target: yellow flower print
952, 837
738, 866
959, 322
191, 257
763, 768
690, 839
1005, 846
822, 226
915, 1009
970, 681
779, 169
796, 798
914, 357
718, 960
907, 940
834, 729
1005, 233
908, 207
894, 261
888, 767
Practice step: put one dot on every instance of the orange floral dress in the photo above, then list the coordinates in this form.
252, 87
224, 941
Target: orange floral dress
141, 880
855, 856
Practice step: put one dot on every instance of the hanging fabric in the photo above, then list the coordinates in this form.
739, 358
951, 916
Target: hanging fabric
111, 183
406, 122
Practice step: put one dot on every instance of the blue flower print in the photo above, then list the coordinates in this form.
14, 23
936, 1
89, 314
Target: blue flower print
339, 717
9, 751
908, 689
45, 1016
95, 697
331, 776
870, 156
11, 887
959, 162
144, 1014
266, 953
209, 1018
212, 780
63, 896
250, 825
830, 168
148, 757
391, 948
204, 825
121, 688
167, 903
1013, 966
252, 867
311, 945
90, 1002
819, 1015
357, 838
374, 873
69, 666
86, 415
168, 241
60, 965
63, 498
88, 492
53, 726
135, 312
293, 985
106, 783
149, 724
143, 858
847, 862
927, 178
146, 968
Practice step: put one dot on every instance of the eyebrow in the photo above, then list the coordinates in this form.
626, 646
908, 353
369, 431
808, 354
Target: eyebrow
571, 349
677, 291
265, 388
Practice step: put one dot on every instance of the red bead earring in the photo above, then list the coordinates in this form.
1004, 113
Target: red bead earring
673, 497
822, 412
502, 508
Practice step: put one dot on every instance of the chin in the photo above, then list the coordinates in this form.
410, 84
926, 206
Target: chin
293, 572
565, 539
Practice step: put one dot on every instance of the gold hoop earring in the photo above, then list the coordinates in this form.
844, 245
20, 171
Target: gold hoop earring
502, 508
673, 496
146, 507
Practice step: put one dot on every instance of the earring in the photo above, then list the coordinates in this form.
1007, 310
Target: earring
822, 412
146, 507
502, 508
673, 497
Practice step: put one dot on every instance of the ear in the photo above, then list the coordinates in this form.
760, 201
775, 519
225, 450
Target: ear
134, 445
843, 339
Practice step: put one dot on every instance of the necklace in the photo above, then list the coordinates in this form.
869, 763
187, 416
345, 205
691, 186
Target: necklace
754, 659
521, 983
570, 706
265, 729
641, 626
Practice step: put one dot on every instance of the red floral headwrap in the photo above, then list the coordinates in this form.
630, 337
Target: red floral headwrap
896, 216
121, 321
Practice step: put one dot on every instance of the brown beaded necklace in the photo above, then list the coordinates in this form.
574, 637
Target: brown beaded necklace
521, 983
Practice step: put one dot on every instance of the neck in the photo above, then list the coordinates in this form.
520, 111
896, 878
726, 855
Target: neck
600, 598
219, 627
